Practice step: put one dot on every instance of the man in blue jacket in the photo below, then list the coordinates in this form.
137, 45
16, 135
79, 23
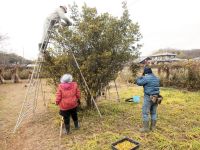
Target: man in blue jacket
151, 85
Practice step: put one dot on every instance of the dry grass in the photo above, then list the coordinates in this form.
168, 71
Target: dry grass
178, 123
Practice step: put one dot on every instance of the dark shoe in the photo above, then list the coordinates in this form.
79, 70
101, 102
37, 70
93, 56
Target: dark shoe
145, 127
153, 125
76, 124
42, 46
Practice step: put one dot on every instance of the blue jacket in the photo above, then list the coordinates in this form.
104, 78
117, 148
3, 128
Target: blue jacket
150, 83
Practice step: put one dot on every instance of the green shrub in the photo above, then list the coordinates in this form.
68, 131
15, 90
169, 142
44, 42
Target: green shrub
24, 74
7, 75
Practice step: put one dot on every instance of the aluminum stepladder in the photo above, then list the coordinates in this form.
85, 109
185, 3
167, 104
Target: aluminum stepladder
30, 101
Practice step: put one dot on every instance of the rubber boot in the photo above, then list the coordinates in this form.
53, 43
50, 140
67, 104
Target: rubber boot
145, 127
76, 124
153, 125
64, 131
67, 127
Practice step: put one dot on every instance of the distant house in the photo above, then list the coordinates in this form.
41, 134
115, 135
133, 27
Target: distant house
164, 57
142, 60
160, 58
31, 65
177, 59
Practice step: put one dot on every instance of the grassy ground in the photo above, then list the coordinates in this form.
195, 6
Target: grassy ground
178, 124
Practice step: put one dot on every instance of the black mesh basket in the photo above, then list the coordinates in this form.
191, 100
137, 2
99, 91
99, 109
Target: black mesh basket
137, 145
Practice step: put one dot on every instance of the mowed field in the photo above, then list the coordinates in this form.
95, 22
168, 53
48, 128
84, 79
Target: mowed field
178, 124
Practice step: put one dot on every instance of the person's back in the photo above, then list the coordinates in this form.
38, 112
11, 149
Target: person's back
67, 95
58, 14
151, 85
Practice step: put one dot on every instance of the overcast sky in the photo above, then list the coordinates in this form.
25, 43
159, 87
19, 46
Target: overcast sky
163, 23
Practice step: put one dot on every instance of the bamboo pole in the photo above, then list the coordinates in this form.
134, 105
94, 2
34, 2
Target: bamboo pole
92, 98
117, 91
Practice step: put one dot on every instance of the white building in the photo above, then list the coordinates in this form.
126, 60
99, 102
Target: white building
163, 57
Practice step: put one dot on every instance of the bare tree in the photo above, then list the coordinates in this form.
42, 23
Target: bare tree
3, 37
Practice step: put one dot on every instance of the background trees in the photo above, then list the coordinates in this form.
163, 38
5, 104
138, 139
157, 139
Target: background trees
2, 38
8, 59
101, 44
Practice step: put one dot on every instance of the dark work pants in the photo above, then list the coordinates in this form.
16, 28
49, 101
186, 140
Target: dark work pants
66, 115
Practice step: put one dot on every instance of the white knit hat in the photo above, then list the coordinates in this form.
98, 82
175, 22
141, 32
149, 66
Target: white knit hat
66, 78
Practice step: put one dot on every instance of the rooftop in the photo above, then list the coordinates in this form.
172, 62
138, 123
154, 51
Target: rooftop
140, 59
163, 54
196, 58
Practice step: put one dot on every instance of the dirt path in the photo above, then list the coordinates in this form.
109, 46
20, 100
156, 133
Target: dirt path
36, 133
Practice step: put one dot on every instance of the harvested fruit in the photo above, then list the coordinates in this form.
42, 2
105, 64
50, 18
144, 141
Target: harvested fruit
125, 145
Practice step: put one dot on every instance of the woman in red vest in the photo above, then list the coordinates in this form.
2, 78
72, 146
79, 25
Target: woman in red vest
68, 98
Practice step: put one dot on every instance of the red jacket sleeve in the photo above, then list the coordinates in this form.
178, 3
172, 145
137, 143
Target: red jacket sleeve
58, 95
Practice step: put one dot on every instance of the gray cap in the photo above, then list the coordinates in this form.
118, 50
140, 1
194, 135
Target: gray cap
66, 78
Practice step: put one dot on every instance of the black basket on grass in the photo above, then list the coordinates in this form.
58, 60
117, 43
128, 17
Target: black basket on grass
136, 144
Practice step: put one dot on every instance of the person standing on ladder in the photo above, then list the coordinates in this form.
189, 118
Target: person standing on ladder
51, 20
68, 99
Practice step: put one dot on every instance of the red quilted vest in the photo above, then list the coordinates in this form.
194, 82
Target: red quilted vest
67, 95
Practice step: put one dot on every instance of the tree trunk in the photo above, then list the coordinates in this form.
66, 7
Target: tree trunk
89, 102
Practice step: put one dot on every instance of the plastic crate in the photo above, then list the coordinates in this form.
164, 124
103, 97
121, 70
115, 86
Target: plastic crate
126, 139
